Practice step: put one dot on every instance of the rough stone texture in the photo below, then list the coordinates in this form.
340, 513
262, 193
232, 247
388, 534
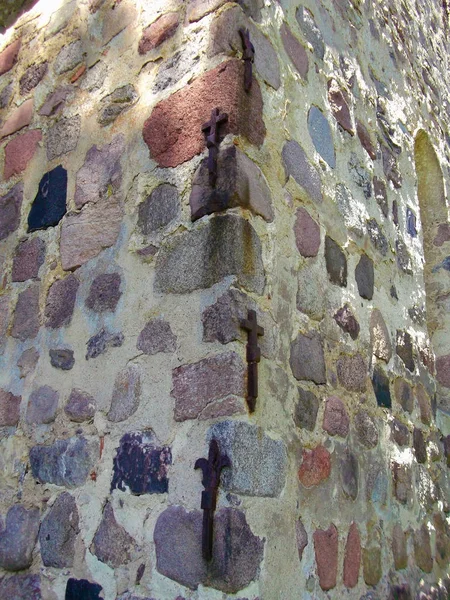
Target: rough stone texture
42, 405
301, 537
9, 408
69, 57
26, 321
63, 136
297, 165
101, 174
307, 358
112, 544
372, 565
390, 167
222, 320
305, 413
307, 233
66, 462
126, 394
159, 209
5, 313
349, 471
61, 302
258, 462
326, 550
156, 336
424, 402
295, 50
82, 589
237, 553
315, 467
32, 77
335, 418
366, 429
18, 536
19, 118
352, 558
443, 370
28, 259
377, 237
62, 358
379, 336
380, 384
80, 406
364, 275
116, 19
158, 32
404, 349
339, 106
442, 553
104, 293
419, 445
366, 141
21, 587
347, 321
336, 263
402, 479
5, 95
422, 549
400, 433
8, 57
380, 192
239, 183
58, 533
352, 372
19, 151
49, 205
360, 175
28, 361
226, 245
102, 341
10, 205
311, 291
140, 465
404, 394
55, 101
197, 9
403, 257
320, 132
399, 547
173, 131
309, 28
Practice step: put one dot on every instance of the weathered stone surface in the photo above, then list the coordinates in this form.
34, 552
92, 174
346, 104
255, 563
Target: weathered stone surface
26, 321
8, 57
226, 245
84, 235
116, 19
404, 349
307, 358
126, 394
173, 131
366, 141
349, 472
442, 553
443, 370
66, 462
352, 373
326, 550
399, 547
28, 361
62, 358
63, 136
174, 68
42, 405
352, 558
10, 205
380, 192
312, 33
379, 336
311, 296
58, 533
5, 95
95, 77
336, 263
21, 587
101, 174
112, 544
339, 106
420, 448
424, 402
101, 341
158, 32
360, 175
372, 565
19, 118
320, 132
55, 101
364, 275
315, 467
301, 537
81, 406
156, 336
69, 57
305, 413
402, 479
403, 257
443, 234
366, 429
377, 237
28, 259
400, 433
19, 151
237, 553
104, 293
32, 77
61, 302
307, 233
347, 321
335, 418
258, 462
9, 408
239, 183
222, 320
380, 384
82, 589
159, 209
390, 166
195, 386
422, 549
197, 9
404, 394
17, 538
49, 205
305, 174
5, 314
295, 50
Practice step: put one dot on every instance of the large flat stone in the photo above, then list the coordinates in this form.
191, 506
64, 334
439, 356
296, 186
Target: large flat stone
352, 372
8, 56
307, 358
310, 30
126, 394
19, 151
18, 537
19, 118
305, 174
9, 408
10, 205
27, 320
42, 405
159, 209
112, 544
63, 136
58, 533
28, 259
295, 50
326, 544
21, 587
61, 302
320, 132
49, 205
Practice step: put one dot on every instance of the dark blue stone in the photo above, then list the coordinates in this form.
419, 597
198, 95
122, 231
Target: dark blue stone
140, 465
411, 222
49, 206
380, 382
82, 589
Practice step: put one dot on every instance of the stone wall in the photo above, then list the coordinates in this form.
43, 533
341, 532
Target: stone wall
125, 275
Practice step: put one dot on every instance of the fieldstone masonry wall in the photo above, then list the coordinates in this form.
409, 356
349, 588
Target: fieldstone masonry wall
125, 275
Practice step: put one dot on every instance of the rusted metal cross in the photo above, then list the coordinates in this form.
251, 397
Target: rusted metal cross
211, 468
248, 57
211, 130
253, 356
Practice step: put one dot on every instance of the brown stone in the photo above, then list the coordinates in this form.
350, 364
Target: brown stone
315, 467
335, 419
26, 315
366, 429
301, 536
307, 358
104, 293
8, 57
29, 257
339, 106
372, 565
295, 51
399, 547
443, 234
402, 478
422, 549
61, 301
197, 9
424, 404
326, 550
400, 433
404, 349
347, 321
307, 233
379, 336
81, 406
404, 394
112, 544
442, 528
9, 408
443, 370
352, 373
116, 18
365, 139
352, 558
173, 131
21, 117
28, 361
158, 32
10, 205
19, 151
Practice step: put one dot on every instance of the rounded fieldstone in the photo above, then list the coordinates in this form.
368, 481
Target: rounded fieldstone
58, 533
399, 547
320, 132
404, 394
156, 337
315, 467
18, 537
349, 470
9, 408
101, 341
336, 263
305, 174
126, 394
400, 433
32, 77
422, 549
326, 545
81, 406
364, 275
61, 302
366, 429
112, 544
312, 33
10, 205
28, 259
379, 336
335, 419
28, 361
404, 349
307, 233
294, 50
420, 447
307, 358
352, 373
104, 293
352, 558
306, 409
381, 387
377, 236
339, 106
42, 405
301, 536
62, 358
21, 587
347, 321
26, 321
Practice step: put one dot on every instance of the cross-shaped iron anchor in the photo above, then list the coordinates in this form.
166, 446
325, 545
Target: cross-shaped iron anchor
253, 356
248, 57
211, 468
211, 130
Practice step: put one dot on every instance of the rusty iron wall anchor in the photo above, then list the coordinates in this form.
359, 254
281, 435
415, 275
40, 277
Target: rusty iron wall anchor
248, 57
253, 356
211, 130
211, 468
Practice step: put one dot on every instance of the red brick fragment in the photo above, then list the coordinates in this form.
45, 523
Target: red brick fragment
19, 151
158, 32
8, 57
326, 550
352, 559
78, 73
316, 466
